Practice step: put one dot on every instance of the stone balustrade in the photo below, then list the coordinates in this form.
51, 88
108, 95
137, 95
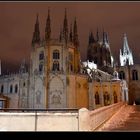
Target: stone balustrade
80, 120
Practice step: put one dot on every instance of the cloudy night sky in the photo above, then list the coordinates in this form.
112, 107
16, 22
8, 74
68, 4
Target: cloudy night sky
17, 21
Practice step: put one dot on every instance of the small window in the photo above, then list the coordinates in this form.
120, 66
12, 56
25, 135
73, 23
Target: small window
55, 66
2, 88
40, 67
97, 99
134, 75
16, 88
11, 89
56, 54
41, 56
121, 75
24, 84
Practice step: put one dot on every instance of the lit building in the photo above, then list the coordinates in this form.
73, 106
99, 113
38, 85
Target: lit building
58, 79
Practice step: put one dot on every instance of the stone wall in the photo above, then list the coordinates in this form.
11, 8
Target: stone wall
82, 120
47, 121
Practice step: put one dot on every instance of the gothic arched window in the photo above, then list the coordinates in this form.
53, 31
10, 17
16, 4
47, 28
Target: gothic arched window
97, 99
121, 75
16, 88
2, 88
134, 75
55, 66
41, 55
56, 54
11, 88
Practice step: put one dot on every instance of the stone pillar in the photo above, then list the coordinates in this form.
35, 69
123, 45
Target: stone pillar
91, 96
84, 120
101, 94
111, 94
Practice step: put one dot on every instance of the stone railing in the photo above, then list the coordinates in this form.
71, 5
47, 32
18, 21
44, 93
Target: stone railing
56, 120
91, 120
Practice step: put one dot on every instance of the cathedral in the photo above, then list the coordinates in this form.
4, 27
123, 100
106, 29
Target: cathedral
56, 77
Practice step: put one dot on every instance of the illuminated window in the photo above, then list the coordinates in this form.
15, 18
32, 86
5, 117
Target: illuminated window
134, 75
56, 54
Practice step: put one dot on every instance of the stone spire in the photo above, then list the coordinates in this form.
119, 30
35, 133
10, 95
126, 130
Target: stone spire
36, 34
61, 37
65, 27
91, 38
103, 36
71, 35
48, 28
106, 38
97, 35
75, 34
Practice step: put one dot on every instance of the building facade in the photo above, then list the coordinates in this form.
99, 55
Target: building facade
57, 78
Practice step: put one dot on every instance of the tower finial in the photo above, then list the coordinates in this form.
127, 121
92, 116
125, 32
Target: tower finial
91, 38
48, 27
65, 27
36, 34
71, 35
75, 34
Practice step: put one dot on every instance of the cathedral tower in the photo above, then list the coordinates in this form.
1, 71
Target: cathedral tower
99, 51
126, 57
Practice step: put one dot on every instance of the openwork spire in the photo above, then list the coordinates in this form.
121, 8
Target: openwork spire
65, 27
36, 34
75, 34
48, 27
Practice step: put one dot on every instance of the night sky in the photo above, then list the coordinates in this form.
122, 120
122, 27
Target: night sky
17, 21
